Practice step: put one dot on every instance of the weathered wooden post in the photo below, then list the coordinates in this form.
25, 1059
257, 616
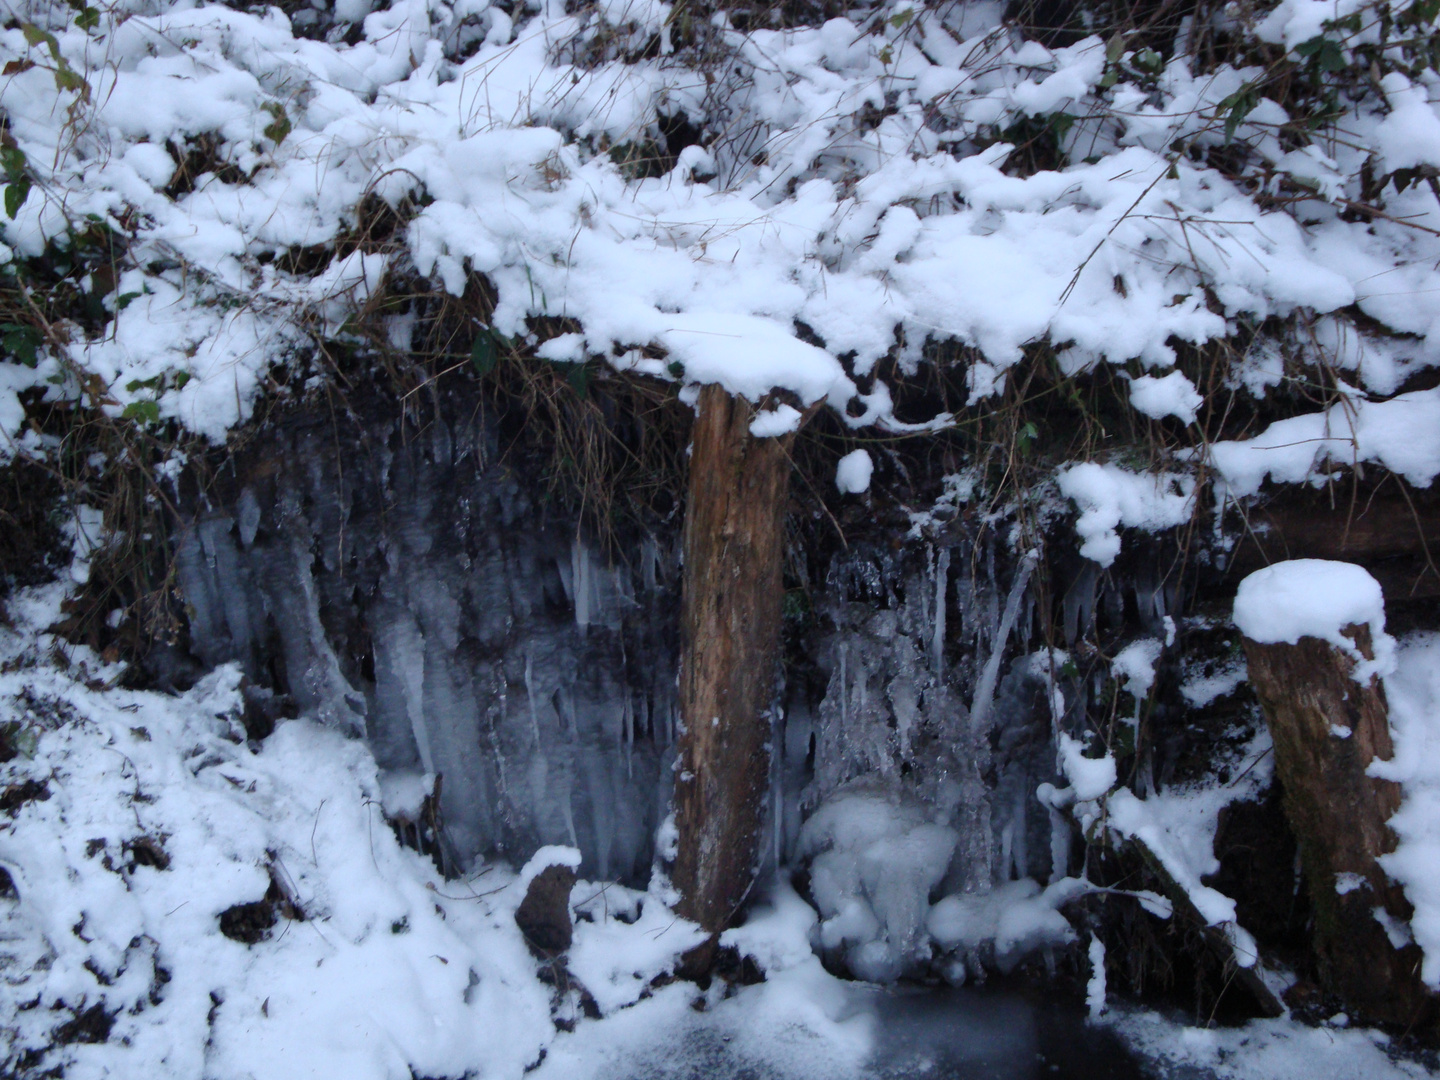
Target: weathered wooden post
1316, 645
730, 634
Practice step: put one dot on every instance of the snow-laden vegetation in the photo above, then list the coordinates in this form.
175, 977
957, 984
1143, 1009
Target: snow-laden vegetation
1231, 221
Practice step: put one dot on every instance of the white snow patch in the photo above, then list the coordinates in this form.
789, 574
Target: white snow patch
1110, 497
1170, 395
852, 473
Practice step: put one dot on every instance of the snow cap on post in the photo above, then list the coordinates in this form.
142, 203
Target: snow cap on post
1316, 598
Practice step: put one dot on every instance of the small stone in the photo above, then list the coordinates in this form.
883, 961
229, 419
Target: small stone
544, 915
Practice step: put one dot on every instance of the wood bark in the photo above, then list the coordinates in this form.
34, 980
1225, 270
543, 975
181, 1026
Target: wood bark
1382, 527
730, 635
1338, 815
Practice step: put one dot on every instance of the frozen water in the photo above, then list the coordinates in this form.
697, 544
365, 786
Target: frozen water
409, 587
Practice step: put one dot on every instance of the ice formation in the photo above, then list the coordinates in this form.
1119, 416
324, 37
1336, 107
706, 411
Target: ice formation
464, 638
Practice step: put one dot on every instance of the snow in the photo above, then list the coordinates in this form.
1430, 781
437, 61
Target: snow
1264, 1049
1090, 778
617, 961
860, 232
398, 969
1169, 395
866, 210
1316, 598
1135, 666
1413, 694
852, 474
1110, 497
1095, 987
874, 860
393, 971
1016, 918
1402, 434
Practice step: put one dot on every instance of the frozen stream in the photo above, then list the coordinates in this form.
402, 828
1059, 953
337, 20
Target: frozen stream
919, 1034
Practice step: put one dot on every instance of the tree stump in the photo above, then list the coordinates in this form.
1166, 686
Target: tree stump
730, 634
1327, 728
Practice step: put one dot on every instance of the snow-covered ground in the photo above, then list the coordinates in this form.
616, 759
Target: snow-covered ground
134, 821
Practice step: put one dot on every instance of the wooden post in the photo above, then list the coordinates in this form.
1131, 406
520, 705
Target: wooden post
730, 636
1327, 728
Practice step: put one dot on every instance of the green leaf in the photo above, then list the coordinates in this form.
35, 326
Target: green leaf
1149, 60
483, 353
124, 300
135, 385
15, 195
13, 160
1326, 53
676, 369
181, 378
34, 36
902, 18
143, 411
88, 19
1236, 107
67, 78
579, 379
280, 127
22, 343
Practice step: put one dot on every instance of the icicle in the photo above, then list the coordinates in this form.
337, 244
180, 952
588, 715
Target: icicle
540, 765
409, 646
627, 735
580, 571
942, 581
777, 795
985, 691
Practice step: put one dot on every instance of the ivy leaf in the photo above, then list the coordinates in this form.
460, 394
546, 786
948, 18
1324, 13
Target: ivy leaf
35, 36
483, 353
67, 78
13, 160
88, 19
280, 126
15, 195
21, 342
144, 411
1325, 52
579, 379
124, 300
1236, 107
1150, 61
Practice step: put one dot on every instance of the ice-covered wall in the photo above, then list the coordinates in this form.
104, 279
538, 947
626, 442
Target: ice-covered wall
922, 760
402, 580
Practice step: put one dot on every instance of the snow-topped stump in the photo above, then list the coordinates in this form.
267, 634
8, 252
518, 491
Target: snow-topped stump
1316, 645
